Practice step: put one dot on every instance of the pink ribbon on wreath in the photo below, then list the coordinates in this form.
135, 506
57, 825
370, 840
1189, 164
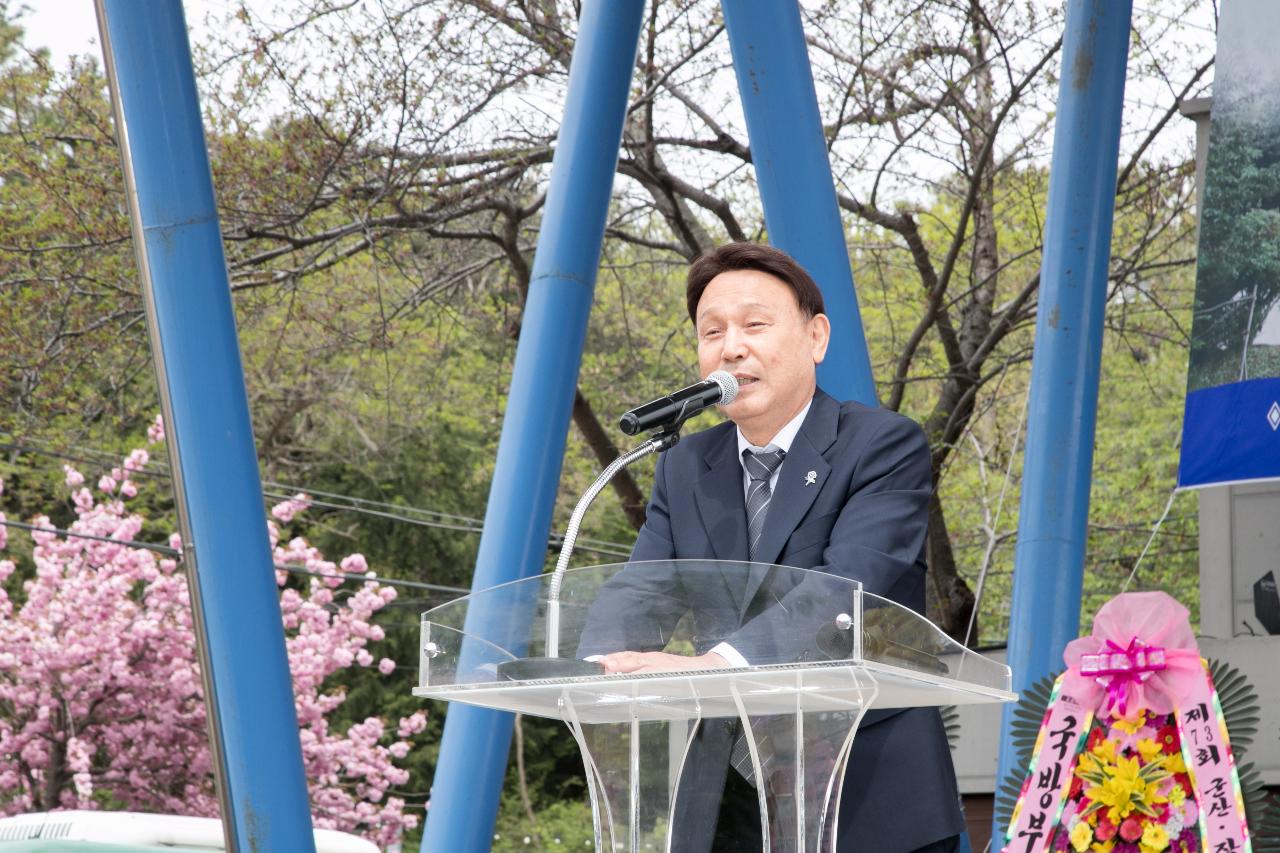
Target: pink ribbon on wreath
1141, 655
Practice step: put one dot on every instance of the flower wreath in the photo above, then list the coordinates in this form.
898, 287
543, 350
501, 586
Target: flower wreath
1133, 754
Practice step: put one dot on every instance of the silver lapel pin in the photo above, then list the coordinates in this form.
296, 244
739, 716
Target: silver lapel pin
811, 478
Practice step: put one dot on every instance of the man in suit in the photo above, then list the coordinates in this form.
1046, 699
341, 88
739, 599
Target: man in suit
799, 479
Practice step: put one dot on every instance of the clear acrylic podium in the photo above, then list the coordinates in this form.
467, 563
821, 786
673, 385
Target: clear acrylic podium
821, 653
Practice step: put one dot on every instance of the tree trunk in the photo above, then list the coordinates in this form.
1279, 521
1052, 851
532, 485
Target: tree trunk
633, 501
584, 417
56, 775
948, 600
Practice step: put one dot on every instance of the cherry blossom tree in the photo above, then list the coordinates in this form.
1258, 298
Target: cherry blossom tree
101, 700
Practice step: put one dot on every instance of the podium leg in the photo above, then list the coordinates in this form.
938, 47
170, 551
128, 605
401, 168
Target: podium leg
630, 774
798, 761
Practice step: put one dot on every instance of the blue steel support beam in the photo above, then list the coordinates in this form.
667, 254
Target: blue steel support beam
789, 152
227, 555
473, 752
1062, 411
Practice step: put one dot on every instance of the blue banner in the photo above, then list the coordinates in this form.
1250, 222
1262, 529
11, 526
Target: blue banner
1227, 434
1231, 427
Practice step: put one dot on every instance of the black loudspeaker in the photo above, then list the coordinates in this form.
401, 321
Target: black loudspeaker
1266, 603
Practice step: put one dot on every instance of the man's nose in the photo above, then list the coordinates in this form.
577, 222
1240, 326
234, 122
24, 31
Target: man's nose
735, 345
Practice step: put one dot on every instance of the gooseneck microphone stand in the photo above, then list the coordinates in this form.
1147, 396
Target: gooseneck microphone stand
552, 665
658, 443
679, 408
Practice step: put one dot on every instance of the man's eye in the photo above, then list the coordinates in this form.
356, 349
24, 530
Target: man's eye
710, 333
757, 324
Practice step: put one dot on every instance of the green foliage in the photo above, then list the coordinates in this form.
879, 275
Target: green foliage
1239, 265
1266, 832
1141, 393
74, 348
951, 724
562, 826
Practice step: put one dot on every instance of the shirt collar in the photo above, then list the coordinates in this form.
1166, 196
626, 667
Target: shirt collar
782, 440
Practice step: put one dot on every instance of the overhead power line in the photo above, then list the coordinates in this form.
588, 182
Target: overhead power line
128, 543
292, 568
417, 516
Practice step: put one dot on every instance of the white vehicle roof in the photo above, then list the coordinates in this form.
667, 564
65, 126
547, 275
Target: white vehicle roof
149, 830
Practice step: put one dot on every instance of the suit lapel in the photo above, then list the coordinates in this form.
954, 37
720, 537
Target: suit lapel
795, 492
721, 500
722, 504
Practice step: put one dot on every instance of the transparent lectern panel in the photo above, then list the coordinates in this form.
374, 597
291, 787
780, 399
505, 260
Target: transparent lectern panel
516, 645
896, 636
810, 654
768, 615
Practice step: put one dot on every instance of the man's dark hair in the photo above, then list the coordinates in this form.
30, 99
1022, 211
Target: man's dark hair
752, 256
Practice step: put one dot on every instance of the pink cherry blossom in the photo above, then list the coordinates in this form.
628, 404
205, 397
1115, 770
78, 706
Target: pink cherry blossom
136, 460
101, 698
286, 510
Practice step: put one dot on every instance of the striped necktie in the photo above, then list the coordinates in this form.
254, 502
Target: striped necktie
760, 466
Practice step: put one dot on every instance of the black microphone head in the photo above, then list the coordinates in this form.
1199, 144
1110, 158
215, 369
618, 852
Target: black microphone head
720, 388
629, 423
728, 385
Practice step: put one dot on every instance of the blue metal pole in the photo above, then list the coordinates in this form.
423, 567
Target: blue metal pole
473, 752
1052, 525
178, 243
789, 152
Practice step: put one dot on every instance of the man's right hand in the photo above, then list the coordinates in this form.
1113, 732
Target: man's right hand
659, 662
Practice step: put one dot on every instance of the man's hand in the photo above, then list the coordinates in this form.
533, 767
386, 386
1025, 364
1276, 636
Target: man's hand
659, 662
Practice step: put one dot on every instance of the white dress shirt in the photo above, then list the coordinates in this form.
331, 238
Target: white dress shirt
782, 441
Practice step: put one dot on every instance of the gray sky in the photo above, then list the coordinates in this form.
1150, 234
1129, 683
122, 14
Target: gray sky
63, 26
69, 27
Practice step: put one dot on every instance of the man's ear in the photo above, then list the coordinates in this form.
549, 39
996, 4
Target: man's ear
819, 336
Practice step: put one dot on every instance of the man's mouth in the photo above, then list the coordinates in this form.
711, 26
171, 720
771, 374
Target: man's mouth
745, 380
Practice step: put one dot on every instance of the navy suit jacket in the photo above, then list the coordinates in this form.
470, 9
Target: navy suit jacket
864, 518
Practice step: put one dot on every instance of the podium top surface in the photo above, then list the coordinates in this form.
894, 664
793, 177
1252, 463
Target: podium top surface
810, 640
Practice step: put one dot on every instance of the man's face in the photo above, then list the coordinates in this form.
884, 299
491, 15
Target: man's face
750, 324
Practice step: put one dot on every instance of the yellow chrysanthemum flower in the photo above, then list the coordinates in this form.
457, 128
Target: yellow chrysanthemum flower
1149, 749
1154, 838
1131, 726
1081, 837
1103, 846
1177, 796
1175, 763
1106, 750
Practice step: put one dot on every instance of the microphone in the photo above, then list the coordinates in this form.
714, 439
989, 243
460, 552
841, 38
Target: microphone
720, 388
